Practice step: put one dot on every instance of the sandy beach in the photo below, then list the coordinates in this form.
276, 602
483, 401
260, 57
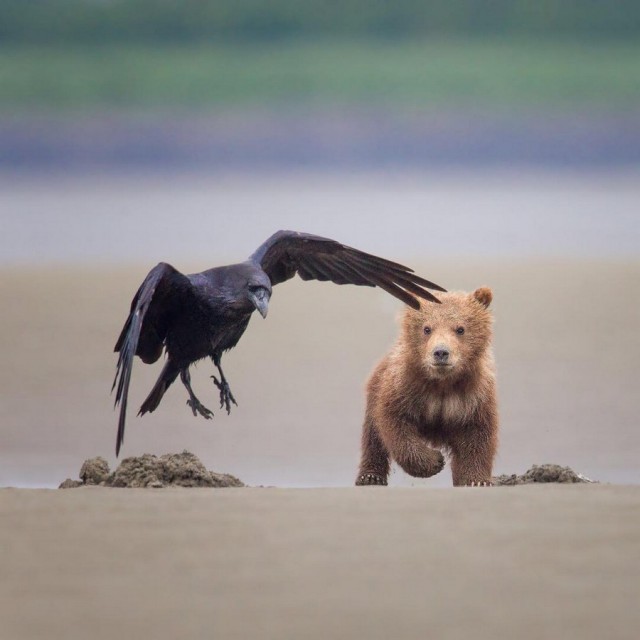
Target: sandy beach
526, 562
558, 249
299, 376
316, 557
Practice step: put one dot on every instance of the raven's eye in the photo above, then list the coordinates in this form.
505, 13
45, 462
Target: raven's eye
427, 330
460, 330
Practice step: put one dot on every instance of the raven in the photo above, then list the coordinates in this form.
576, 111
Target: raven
205, 314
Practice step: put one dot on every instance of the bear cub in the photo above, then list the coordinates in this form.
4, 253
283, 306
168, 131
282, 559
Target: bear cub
435, 390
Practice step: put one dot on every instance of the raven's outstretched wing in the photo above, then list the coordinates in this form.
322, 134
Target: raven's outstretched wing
163, 291
286, 253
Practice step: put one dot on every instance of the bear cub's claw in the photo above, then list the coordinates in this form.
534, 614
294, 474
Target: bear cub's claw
367, 479
479, 484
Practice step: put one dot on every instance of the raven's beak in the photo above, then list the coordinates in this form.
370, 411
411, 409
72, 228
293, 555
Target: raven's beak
260, 301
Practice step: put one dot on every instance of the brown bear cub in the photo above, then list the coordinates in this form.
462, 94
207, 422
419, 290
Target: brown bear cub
435, 388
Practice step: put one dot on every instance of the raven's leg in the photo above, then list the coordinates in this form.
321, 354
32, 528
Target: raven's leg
226, 397
196, 406
167, 376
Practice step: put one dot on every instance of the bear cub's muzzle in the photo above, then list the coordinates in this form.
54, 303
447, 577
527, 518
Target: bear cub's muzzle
441, 358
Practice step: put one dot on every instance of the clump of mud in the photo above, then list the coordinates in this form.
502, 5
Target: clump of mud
171, 470
541, 473
94, 471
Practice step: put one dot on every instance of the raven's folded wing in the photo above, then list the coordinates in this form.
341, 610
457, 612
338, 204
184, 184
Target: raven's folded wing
286, 253
163, 291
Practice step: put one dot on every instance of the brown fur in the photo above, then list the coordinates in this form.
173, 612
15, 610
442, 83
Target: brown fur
413, 405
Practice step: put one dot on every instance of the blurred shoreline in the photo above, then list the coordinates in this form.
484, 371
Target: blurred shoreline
318, 139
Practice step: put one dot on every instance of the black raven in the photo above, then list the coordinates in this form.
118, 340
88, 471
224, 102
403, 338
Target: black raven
204, 314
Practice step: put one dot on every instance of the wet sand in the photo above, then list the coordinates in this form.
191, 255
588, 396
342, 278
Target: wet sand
525, 562
566, 342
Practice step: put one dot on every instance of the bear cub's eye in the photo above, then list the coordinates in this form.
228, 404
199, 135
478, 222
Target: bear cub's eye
427, 330
460, 330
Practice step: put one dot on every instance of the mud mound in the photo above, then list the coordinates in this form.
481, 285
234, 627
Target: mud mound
94, 471
171, 470
541, 473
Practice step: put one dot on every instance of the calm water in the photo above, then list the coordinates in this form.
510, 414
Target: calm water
210, 218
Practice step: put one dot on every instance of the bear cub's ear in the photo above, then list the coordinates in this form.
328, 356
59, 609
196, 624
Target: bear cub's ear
483, 295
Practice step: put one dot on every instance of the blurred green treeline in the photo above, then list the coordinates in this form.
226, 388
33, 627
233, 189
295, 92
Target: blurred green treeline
40, 22
140, 54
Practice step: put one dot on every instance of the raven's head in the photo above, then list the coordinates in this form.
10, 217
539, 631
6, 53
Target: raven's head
259, 294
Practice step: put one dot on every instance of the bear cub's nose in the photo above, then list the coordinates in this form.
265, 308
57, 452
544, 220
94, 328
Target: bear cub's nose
441, 354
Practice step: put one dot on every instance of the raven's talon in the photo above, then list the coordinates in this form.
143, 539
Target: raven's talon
226, 397
198, 408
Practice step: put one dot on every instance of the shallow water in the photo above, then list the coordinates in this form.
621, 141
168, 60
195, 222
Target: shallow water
559, 250
208, 218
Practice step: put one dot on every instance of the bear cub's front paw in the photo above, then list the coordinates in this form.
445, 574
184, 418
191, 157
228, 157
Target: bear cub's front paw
367, 479
423, 465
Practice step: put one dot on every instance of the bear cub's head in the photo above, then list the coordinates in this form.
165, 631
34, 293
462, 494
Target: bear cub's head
450, 339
